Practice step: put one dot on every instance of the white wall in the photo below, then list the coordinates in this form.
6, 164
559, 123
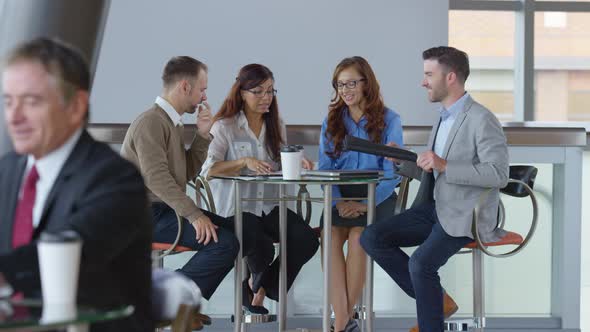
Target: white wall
300, 41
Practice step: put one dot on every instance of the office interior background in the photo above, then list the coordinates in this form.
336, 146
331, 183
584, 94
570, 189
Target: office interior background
530, 64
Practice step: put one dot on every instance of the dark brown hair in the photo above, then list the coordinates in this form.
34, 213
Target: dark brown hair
453, 59
59, 59
181, 67
249, 77
374, 106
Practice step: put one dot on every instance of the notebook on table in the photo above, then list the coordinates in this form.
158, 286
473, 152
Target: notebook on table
345, 173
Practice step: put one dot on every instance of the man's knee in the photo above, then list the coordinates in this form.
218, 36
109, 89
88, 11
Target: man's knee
418, 267
368, 238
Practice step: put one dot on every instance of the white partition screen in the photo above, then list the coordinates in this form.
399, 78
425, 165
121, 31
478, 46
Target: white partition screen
300, 41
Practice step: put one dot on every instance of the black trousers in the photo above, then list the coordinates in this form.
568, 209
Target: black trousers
212, 262
302, 244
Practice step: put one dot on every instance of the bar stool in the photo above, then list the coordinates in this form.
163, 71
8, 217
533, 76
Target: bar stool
160, 250
520, 185
204, 199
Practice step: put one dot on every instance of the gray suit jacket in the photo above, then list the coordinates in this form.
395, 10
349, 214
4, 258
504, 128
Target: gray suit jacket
477, 159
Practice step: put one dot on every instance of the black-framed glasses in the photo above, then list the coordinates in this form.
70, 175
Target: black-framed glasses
349, 84
262, 93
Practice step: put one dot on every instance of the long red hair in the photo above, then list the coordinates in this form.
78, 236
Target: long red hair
249, 77
373, 105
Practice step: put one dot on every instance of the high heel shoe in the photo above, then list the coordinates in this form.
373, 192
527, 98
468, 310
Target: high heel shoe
247, 296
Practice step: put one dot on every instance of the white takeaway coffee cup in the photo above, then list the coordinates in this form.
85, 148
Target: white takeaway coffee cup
291, 159
59, 266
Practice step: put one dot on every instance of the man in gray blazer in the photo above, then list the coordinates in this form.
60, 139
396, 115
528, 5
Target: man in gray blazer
467, 155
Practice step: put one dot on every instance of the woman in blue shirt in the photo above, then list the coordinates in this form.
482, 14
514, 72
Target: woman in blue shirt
357, 109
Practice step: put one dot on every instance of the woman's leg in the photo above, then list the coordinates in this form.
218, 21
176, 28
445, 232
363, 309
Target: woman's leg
302, 244
338, 291
356, 261
258, 250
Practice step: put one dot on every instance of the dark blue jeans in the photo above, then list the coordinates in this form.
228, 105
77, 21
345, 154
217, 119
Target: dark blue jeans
416, 275
212, 262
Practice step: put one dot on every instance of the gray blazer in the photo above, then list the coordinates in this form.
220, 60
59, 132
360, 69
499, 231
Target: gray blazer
477, 159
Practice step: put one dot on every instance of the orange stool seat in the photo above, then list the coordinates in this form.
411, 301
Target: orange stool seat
165, 246
508, 239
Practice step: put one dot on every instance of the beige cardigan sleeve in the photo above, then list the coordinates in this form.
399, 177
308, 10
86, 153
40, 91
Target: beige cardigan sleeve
150, 144
196, 155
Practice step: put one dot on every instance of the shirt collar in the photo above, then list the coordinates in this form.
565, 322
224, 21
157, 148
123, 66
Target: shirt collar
454, 109
169, 109
242, 120
51, 164
348, 117
243, 124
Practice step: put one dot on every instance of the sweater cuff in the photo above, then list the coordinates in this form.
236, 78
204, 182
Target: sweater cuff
194, 216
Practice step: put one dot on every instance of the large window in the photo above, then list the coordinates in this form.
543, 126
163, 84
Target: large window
562, 66
488, 38
553, 76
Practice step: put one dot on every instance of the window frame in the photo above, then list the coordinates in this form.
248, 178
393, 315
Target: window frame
524, 57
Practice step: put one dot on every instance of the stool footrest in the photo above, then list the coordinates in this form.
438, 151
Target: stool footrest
248, 318
359, 313
461, 324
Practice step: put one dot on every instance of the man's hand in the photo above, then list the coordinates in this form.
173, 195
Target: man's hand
429, 160
205, 230
204, 120
350, 209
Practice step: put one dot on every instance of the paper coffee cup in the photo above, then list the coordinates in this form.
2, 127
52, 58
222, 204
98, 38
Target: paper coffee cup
291, 158
58, 312
59, 266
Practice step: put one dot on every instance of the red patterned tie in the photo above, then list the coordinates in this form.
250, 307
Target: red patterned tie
23, 216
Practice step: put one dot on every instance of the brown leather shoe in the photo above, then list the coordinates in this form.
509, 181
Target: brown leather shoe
206, 320
449, 309
196, 325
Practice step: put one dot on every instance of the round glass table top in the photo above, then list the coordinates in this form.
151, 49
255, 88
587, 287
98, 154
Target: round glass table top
35, 314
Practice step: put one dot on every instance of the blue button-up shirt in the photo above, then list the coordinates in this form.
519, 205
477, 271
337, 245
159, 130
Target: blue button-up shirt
357, 160
447, 120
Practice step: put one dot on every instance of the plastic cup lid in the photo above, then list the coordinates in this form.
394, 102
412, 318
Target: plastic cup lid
291, 148
64, 236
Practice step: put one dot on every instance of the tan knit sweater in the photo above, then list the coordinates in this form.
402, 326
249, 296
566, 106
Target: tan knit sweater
156, 147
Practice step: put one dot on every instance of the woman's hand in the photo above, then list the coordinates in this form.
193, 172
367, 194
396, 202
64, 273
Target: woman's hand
349, 209
358, 206
306, 164
258, 166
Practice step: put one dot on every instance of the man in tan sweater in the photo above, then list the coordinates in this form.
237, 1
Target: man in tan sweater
154, 142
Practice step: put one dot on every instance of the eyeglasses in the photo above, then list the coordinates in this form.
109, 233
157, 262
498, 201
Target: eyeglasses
350, 84
261, 94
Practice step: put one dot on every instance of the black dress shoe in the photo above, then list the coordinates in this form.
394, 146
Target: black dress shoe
247, 296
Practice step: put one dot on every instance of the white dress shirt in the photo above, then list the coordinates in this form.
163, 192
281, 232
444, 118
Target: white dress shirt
233, 139
446, 123
48, 168
169, 109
